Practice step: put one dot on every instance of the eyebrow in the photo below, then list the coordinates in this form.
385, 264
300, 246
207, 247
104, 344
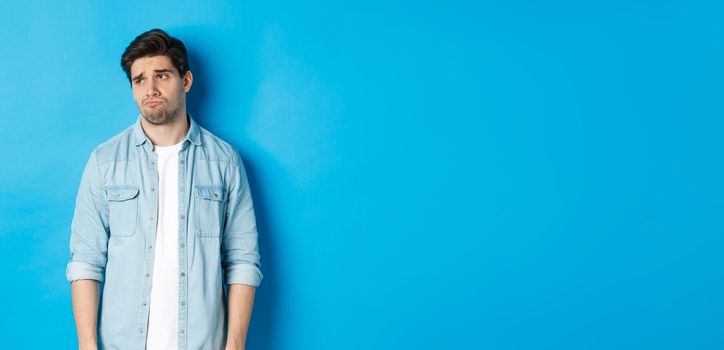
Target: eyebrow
155, 71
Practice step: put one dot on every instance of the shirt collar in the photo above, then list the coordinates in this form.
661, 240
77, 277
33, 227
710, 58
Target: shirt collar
139, 137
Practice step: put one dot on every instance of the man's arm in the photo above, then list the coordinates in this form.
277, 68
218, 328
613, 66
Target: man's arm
85, 308
240, 255
88, 251
241, 302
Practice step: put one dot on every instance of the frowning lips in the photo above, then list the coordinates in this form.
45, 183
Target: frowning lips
153, 103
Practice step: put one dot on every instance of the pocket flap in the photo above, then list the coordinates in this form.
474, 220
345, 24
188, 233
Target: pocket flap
120, 193
216, 193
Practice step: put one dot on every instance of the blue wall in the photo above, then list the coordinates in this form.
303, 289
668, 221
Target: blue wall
453, 175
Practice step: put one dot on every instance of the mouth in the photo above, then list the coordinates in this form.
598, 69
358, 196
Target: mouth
153, 103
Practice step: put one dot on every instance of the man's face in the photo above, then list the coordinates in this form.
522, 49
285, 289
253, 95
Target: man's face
159, 91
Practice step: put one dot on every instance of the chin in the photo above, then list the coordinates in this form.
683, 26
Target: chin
157, 118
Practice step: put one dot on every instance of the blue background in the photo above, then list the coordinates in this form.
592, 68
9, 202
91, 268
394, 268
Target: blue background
452, 175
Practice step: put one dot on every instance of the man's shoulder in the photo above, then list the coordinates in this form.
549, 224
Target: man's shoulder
216, 149
213, 148
115, 148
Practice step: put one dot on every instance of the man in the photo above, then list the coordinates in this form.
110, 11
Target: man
163, 222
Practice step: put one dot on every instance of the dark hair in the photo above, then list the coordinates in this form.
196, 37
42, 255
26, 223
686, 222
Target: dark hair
153, 43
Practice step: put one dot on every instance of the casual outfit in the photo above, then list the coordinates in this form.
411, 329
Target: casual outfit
164, 229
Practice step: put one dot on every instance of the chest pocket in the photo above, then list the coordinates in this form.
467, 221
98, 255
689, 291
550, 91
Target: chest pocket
209, 212
122, 210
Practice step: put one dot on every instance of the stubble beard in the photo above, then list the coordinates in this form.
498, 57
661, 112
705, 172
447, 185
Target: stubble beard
159, 115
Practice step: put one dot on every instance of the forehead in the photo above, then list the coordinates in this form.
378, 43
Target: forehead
151, 63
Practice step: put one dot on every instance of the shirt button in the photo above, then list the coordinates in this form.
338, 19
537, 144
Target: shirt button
140, 330
150, 247
183, 245
144, 304
151, 219
181, 161
148, 275
152, 189
182, 217
181, 331
183, 274
183, 303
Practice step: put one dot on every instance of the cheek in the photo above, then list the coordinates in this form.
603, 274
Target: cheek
137, 96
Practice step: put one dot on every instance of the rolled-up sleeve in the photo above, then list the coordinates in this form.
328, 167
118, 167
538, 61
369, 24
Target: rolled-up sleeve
240, 252
89, 228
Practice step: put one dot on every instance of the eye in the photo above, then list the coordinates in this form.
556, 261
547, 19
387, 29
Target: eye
162, 75
138, 81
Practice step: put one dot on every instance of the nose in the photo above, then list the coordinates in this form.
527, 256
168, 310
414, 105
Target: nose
151, 89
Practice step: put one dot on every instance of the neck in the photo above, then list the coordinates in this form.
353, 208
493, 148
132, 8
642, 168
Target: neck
167, 134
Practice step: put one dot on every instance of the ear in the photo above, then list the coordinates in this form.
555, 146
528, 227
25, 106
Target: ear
188, 80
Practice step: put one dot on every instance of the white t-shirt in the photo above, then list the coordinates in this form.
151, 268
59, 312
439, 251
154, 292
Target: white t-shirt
163, 317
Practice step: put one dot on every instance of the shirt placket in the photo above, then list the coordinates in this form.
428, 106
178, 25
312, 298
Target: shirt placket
151, 171
182, 253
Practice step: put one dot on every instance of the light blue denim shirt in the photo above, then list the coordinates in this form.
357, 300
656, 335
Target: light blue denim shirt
113, 233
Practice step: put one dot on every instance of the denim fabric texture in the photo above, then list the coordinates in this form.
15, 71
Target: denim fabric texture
113, 233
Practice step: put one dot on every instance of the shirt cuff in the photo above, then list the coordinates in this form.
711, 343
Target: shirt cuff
78, 270
243, 274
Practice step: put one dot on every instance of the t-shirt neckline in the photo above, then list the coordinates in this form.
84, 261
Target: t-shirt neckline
168, 148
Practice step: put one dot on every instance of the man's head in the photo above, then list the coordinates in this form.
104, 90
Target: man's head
157, 68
